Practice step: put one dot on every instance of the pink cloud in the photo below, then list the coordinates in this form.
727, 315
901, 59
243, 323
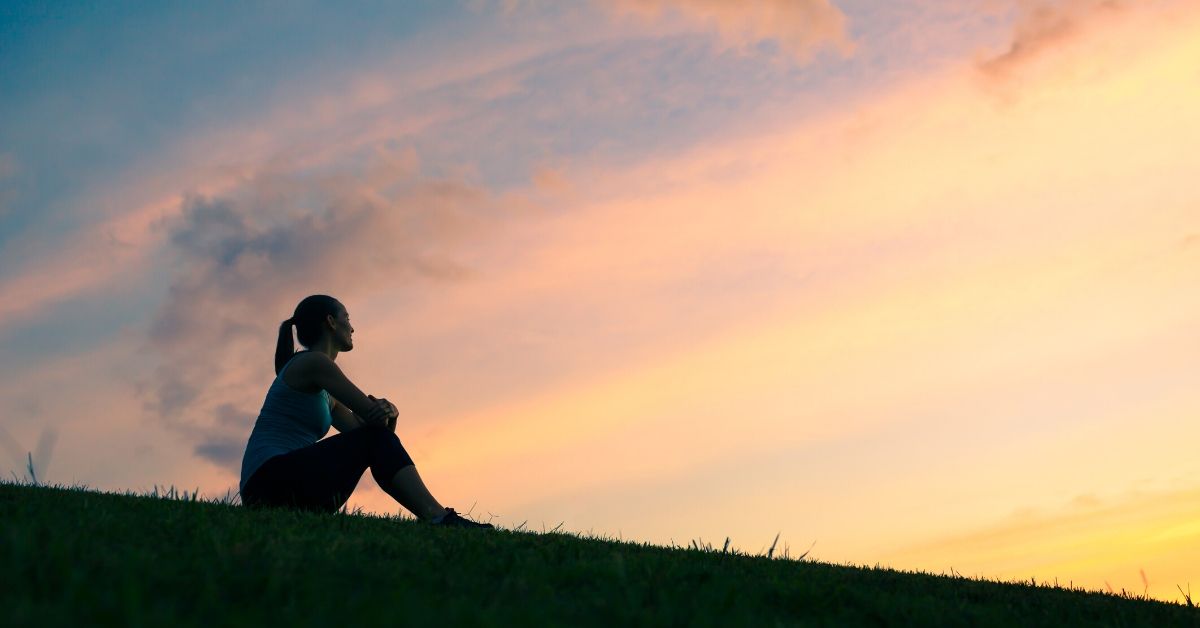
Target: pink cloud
89, 261
1043, 25
307, 126
551, 180
802, 27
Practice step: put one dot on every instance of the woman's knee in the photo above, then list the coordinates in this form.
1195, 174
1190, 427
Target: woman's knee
378, 432
387, 446
367, 435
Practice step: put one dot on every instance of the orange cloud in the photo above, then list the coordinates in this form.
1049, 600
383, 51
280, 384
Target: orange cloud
1044, 24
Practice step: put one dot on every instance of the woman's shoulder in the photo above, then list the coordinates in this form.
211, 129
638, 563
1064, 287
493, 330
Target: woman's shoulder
308, 355
301, 368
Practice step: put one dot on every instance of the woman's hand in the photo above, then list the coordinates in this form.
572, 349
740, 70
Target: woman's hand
384, 413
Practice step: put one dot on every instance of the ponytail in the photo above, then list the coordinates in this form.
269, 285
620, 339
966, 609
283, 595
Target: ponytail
308, 318
285, 348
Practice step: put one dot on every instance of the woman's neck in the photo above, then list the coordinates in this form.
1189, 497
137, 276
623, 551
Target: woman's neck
326, 346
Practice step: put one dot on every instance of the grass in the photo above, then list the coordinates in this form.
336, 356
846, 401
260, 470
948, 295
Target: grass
72, 556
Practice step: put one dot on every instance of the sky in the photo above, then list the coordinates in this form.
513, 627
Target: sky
912, 284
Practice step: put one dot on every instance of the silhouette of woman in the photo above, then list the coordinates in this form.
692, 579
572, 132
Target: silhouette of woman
287, 464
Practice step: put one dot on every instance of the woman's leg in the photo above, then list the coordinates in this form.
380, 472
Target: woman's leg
408, 489
322, 476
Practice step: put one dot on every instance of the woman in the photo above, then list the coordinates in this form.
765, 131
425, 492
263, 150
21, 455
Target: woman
287, 464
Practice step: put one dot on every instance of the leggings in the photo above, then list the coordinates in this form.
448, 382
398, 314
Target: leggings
321, 476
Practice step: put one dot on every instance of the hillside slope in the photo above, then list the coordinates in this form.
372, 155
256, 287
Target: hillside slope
77, 557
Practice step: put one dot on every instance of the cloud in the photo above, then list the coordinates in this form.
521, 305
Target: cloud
240, 262
550, 180
1043, 25
225, 441
231, 415
413, 92
171, 392
225, 453
802, 27
230, 250
584, 89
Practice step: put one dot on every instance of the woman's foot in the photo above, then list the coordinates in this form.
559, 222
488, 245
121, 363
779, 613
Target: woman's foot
455, 520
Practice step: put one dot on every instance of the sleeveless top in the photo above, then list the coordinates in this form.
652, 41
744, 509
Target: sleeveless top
289, 420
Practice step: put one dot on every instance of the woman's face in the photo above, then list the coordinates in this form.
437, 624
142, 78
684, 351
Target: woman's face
343, 332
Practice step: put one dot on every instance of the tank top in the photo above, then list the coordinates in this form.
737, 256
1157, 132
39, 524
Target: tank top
289, 420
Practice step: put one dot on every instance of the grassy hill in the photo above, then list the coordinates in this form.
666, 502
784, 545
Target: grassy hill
76, 557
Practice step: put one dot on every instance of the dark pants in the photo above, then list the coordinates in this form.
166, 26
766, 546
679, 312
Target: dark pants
321, 477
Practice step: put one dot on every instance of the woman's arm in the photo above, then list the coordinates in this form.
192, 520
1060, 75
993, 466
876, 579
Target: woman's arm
321, 372
343, 419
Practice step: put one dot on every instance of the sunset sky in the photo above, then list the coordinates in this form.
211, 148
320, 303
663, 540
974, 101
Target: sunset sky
917, 281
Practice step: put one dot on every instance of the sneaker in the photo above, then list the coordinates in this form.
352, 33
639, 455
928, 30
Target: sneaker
455, 520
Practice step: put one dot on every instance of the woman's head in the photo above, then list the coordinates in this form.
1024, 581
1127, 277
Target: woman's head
318, 318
